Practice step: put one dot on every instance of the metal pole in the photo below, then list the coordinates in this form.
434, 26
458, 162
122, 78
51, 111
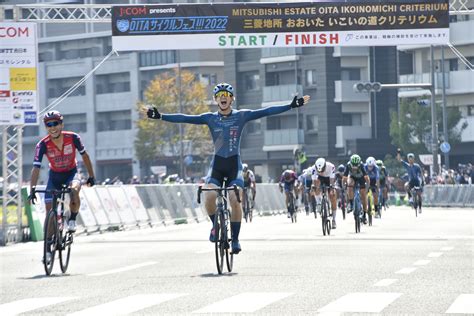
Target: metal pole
19, 143
297, 109
181, 155
374, 79
398, 99
434, 120
445, 119
3, 240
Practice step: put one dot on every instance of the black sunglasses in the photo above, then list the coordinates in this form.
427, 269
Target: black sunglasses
53, 123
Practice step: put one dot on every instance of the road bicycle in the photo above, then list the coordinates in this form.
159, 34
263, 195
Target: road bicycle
357, 208
309, 202
381, 202
342, 202
292, 206
416, 196
247, 204
370, 205
55, 239
222, 226
325, 214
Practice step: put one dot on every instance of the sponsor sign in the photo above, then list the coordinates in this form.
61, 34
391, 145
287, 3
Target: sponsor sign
427, 160
299, 24
18, 74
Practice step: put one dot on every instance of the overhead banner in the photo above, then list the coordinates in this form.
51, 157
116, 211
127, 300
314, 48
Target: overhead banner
18, 74
300, 24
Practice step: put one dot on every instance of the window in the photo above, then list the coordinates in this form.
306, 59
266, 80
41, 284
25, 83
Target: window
208, 79
113, 83
312, 123
453, 64
310, 77
254, 127
350, 74
57, 87
76, 122
273, 123
30, 131
114, 121
470, 110
251, 80
157, 58
356, 119
273, 79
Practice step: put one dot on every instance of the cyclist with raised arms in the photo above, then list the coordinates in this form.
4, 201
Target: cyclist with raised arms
226, 125
415, 175
374, 177
355, 173
324, 174
60, 149
288, 183
383, 181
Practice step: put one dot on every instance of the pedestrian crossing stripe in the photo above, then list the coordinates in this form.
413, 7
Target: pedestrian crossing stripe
127, 304
361, 303
29, 304
464, 304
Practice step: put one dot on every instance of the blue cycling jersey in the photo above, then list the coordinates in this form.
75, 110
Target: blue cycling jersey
414, 172
226, 130
374, 173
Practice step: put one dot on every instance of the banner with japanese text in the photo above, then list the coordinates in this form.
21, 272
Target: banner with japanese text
283, 24
18, 74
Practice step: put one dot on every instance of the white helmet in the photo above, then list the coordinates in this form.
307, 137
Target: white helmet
370, 162
320, 164
307, 172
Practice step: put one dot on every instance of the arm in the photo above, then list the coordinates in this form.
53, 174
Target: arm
34, 176
87, 162
277, 109
185, 118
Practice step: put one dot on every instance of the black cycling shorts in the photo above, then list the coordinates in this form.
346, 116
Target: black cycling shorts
228, 170
360, 181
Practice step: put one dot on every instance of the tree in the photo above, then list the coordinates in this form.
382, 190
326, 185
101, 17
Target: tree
156, 139
414, 131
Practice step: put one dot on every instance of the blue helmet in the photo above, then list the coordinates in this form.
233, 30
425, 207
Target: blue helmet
223, 87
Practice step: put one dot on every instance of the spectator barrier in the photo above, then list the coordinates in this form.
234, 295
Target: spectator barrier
115, 207
449, 195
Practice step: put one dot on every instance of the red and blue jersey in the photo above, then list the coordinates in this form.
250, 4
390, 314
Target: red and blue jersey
60, 159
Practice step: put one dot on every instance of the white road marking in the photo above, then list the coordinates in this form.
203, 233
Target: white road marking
244, 303
132, 267
447, 248
361, 302
127, 304
406, 270
385, 282
462, 305
421, 262
434, 254
29, 304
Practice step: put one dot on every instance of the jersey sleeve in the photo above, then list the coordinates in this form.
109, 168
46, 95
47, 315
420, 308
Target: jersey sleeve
40, 150
405, 164
346, 171
185, 118
79, 144
332, 174
250, 115
364, 172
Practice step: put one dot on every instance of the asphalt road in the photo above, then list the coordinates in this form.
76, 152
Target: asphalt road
401, 265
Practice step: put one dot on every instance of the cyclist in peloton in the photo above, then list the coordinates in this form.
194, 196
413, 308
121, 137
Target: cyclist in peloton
355, 172
305, 185
324, 174
249, 181
226, 125
374, 177
339, 174
383, 181
60, 148
288, 181
415, 175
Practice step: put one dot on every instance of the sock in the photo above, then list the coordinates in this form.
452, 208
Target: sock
235, 227
73, 216
351, 202
212, 217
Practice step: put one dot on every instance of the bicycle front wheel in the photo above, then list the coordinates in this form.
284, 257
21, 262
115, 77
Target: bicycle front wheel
220, 242
50, 241
65, 251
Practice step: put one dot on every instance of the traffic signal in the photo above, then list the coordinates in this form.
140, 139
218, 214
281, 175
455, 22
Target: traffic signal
368, 87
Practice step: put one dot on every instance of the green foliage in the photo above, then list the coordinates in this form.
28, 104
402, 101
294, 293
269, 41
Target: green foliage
155, 135
415, 126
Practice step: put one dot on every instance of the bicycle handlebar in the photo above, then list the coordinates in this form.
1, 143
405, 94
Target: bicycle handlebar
233, 188
55, 192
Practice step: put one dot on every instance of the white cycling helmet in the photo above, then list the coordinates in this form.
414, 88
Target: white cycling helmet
370, 162
307, 172
320, 164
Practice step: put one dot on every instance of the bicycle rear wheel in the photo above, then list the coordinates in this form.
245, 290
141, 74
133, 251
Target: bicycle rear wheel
357, 219
324, 216
343, 208
221, 243
65, 251
50, 241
